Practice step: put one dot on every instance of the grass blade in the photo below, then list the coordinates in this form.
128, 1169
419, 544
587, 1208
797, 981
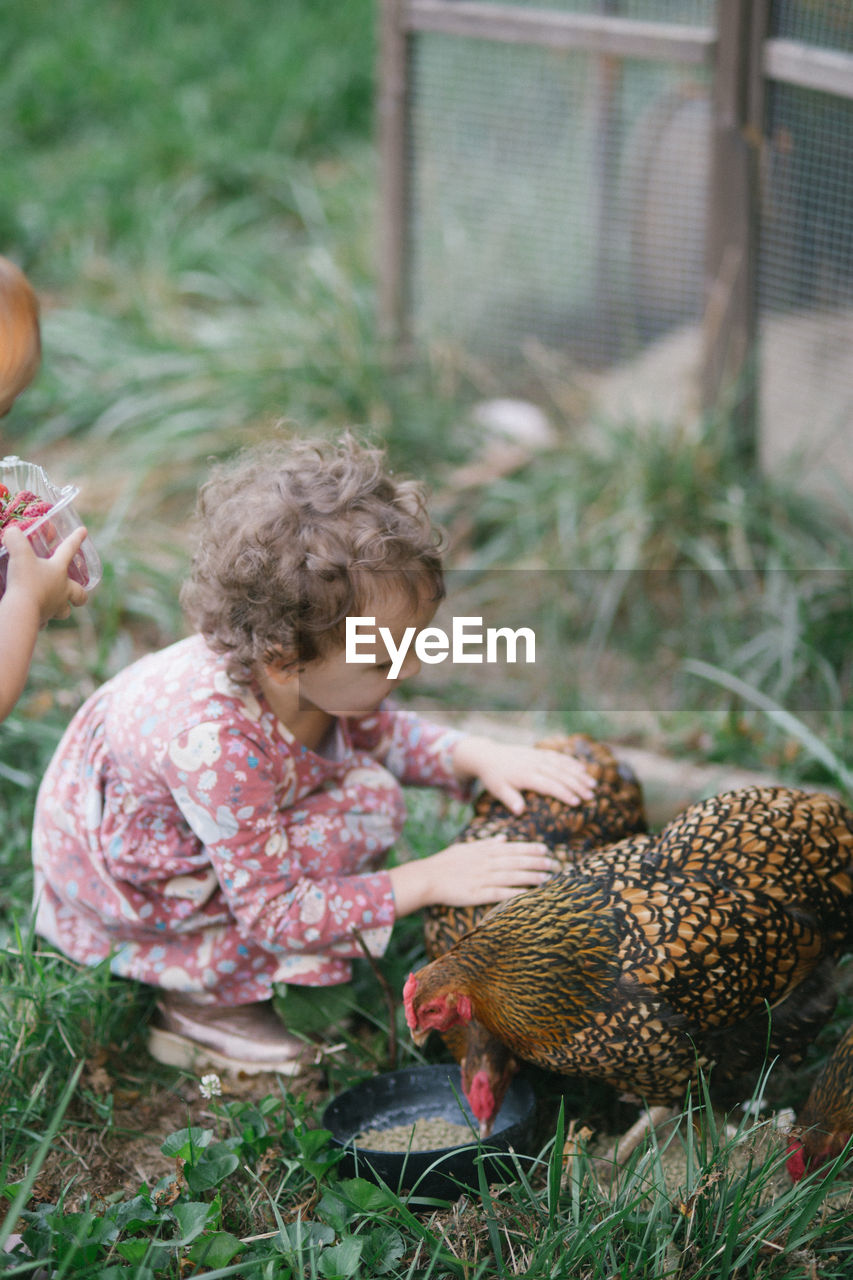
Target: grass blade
26, 1186
784, 720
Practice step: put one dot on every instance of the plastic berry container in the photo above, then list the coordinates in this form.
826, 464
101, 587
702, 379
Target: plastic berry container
46, 533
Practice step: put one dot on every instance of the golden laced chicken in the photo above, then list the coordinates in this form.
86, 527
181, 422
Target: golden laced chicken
825, 1124
571, 832
664, 955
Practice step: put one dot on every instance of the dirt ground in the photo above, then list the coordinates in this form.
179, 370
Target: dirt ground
91, 1160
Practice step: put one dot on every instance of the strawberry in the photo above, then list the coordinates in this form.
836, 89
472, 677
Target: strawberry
23, 510
31, 513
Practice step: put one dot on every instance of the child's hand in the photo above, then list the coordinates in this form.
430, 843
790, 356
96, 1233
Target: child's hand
43, 582
483, 871
506, 770
473, 874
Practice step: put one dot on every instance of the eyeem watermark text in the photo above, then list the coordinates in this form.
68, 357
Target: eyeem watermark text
468, 642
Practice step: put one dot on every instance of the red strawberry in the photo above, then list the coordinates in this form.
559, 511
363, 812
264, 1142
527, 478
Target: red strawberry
29, 510
31, 514
22, 499
23, 510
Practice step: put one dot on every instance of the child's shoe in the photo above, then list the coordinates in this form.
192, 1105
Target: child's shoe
248, 1037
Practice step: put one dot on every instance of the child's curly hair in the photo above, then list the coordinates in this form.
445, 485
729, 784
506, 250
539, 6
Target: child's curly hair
20, 335
294, 538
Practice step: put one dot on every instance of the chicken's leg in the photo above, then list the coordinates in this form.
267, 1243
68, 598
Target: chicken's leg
618, 1153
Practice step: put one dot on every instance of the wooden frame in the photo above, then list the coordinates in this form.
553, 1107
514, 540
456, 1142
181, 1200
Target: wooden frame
594, 33
743, 60
824, 69
730, 328
400, 20
393, 130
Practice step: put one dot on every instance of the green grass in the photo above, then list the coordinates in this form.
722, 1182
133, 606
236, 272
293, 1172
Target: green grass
652, 569
229, 1203
192, 190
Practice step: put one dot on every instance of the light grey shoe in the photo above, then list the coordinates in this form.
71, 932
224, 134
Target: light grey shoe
249, 1037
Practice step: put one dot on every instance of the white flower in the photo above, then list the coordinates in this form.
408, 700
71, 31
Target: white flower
210, 1086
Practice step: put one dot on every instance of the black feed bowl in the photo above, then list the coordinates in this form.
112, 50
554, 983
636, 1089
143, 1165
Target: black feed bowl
401, 1098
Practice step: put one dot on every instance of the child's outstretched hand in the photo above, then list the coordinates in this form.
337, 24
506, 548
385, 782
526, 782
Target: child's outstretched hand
36, 590
473, 874
506, 770
33, 582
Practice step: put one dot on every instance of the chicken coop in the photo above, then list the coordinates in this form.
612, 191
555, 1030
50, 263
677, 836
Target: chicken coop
658, 193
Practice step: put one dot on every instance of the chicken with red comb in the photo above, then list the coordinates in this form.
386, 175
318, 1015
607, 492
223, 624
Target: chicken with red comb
710, 945
614, 810
825, 1124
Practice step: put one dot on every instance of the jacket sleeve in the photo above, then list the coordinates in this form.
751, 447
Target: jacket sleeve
416, 751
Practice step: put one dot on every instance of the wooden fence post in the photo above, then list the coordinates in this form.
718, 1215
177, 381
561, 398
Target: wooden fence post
393, 129
729, 356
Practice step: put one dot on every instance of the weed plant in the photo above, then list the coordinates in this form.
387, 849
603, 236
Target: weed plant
192, 190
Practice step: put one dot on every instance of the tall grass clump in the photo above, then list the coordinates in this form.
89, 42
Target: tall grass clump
54, 1017
643, 553
193, 195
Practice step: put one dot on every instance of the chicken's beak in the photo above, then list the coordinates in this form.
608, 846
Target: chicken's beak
419, 1037
485, 1129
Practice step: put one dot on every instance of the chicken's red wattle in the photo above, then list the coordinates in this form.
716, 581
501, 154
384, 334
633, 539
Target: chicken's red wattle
795, 1163
482, 1099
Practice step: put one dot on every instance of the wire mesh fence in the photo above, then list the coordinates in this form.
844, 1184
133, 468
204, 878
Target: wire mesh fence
555, 197
558, 195
805, 280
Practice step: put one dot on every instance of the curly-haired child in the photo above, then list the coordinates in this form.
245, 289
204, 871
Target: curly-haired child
216, 817
36, 589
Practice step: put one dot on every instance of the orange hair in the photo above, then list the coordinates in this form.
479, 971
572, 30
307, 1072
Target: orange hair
20, 337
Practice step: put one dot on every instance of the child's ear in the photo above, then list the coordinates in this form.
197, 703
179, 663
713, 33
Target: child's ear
282, 666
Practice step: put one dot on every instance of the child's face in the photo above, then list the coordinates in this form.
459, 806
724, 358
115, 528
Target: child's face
342, 688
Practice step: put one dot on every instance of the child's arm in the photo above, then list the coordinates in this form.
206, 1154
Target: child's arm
506, 770
421, 753
36, 590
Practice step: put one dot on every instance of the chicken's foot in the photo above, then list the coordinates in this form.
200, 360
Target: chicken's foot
618, 1153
